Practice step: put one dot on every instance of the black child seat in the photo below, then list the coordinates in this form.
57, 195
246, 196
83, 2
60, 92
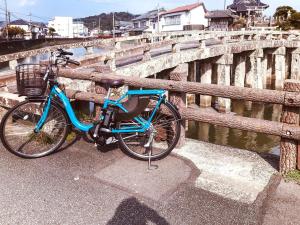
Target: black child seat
112, 83
135, 105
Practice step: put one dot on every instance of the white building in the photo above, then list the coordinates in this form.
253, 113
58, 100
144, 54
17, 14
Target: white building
63, 26
146, 23
79, 29
189, 17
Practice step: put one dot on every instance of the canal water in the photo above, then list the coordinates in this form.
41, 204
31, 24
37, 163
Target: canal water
236, 138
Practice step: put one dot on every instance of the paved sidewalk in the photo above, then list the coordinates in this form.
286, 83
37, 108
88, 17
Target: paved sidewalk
283, 208
81, 185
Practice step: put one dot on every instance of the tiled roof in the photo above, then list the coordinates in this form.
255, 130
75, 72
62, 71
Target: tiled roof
220, 14
184, 8
244, 5
149, 15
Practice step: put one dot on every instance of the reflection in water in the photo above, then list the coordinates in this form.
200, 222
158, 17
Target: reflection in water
238, 138
78, 52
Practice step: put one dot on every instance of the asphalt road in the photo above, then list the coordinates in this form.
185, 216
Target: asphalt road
82, 185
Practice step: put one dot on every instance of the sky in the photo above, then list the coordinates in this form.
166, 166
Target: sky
44, 10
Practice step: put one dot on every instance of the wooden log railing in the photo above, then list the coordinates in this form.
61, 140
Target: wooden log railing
288, 129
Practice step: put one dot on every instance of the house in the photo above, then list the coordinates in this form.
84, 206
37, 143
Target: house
21, 24
146, 23
79, 29
188, 17
95, 32
220, 20
63, 26
124, 26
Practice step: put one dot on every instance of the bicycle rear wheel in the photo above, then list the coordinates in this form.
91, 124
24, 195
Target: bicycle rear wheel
17, 129
166, 125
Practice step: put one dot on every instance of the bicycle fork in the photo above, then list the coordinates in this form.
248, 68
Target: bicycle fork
44, 116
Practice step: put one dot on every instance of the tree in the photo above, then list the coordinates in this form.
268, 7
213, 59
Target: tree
240, 23
287, 18
51, 31
14, 32
295, 20
282, 13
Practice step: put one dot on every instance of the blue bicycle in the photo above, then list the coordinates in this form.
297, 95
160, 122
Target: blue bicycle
143, 122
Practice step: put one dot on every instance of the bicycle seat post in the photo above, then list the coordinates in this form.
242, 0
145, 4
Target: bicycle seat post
108, 93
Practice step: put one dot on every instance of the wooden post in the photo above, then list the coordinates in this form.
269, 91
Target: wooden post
180, 73
289, 149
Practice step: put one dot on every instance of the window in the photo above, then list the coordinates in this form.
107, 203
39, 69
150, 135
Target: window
173, 20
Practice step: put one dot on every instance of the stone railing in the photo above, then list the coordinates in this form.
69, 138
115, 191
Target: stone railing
119, 43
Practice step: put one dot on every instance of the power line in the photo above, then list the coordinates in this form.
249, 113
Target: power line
23, 14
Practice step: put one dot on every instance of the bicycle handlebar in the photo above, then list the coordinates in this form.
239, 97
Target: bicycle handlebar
63, 52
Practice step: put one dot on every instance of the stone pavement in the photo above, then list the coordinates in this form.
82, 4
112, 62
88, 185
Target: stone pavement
283, 208
81, 185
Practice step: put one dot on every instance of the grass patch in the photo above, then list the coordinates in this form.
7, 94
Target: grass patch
293, 176
42, 138
82, 116
71, 136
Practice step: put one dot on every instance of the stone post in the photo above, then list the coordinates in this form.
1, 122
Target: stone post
146, 53
295, 65
250, 64
264, 69
111, 62
12, 64
179, 73
240, 71
280, 67
223, 72
255, 76
289, 149
118, 45
205, 78
89, 50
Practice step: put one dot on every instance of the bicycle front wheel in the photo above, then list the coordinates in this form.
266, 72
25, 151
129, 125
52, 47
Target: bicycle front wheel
17, 129
166, 125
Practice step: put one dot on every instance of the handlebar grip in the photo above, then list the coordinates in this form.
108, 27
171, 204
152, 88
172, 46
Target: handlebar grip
74, 62
67, 53
63, 52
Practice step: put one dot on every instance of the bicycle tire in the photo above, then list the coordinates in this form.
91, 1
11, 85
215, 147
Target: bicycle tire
27, 128
127, 149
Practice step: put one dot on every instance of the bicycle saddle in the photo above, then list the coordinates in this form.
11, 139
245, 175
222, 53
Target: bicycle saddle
112, 83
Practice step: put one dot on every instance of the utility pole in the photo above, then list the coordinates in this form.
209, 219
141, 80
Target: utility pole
99, 25
158, 18
225, 3
114, 25
6, 18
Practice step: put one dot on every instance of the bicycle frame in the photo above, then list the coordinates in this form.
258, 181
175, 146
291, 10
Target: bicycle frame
141, 126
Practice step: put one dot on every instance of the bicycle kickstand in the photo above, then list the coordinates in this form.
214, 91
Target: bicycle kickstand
150, 166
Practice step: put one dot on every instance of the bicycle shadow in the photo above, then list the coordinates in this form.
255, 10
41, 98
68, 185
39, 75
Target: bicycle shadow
133, 212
